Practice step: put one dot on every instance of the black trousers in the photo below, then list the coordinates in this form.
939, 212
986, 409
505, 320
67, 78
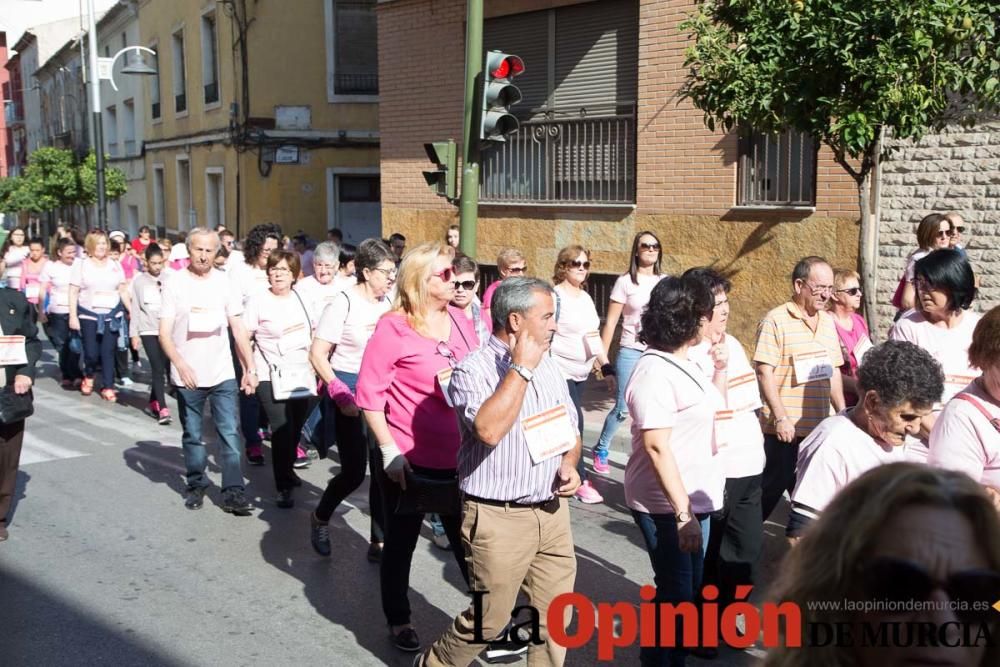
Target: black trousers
11, 439
159, 367
779, 471
287, 418
736, 538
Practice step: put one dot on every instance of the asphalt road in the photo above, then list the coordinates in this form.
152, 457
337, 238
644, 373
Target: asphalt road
104, 565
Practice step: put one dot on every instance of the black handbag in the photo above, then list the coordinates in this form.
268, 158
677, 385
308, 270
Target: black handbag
15, 407
429, 495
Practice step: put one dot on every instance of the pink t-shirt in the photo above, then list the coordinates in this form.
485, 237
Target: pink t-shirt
55, 279
349, 322
738, 437
317, 295
281, 328
130, 265
836, 453
964, 439
666, 391
849, 341
488, 293
98, 285
200, 307
399, 375
577, 318
635, 299
31, 279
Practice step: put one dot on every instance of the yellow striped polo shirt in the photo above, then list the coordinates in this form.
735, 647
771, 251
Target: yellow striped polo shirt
783, 336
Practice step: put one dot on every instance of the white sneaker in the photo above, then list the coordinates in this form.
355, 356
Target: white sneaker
126, 382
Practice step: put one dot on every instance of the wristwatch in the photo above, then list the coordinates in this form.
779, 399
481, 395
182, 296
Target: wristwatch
522, 371
683, 517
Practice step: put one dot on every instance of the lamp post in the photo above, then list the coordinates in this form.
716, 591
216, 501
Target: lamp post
103, 69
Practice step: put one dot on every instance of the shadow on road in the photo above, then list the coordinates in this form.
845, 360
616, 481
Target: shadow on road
20, 492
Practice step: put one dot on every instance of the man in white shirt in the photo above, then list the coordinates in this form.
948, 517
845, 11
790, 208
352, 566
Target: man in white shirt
198, 306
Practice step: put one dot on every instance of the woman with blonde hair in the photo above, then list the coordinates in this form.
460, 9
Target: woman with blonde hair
852, 330
901, 533
402, 389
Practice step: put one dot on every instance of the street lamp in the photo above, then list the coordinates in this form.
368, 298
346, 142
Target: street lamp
103, 69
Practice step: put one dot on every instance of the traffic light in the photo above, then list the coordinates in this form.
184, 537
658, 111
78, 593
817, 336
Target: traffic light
498, 95
442, 180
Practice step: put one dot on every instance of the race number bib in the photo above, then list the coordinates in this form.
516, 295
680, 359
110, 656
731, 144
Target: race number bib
812, 366
549, 433
203, 320
12, 351
953, 384
444, 380
295, 337
152, 299
593, 344
862, 348
742, 394
105, 300
724, 430
33, 291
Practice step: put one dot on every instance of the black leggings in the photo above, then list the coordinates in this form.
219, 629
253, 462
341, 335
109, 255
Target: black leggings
287, 419
158, 366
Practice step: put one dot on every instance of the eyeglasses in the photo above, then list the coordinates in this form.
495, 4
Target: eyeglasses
649, 246
853, 291
957, 230
818, 289
465, 284
944, 234
576, 264
279, 269
444, 274
900, 581
517, 269
389, 273
445, 351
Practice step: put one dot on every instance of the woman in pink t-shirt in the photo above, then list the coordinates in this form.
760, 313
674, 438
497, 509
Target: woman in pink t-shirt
31, 271
851, 328
673, 481
402, 389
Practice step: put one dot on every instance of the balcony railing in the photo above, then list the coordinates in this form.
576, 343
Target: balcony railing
356, 84
563, 159
212, 92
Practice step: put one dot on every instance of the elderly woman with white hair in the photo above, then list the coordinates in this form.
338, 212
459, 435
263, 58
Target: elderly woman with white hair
318, 289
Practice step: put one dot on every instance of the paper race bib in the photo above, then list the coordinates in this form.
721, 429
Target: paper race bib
444, 380
152, 299
862, 348
12, 352
593, 344
812, 366
33, 291
953, 384
549, 433
724, 430
742, 394
295, 337
203, 320
105, 300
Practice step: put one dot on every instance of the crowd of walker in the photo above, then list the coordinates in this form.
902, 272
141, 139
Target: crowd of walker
467, 411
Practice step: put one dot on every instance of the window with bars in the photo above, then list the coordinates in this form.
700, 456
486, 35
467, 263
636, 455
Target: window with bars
777, 169
352, 48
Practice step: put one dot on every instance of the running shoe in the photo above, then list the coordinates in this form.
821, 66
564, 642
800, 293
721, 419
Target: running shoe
601, 463
406, 640
164, 418
302, 459
153, 410
319, 535
235, 502
194, 497
285, 500
126, 381
255, 455
588, 494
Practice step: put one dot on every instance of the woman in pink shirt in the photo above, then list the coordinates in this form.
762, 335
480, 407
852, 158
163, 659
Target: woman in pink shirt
402, 387
31, 272
851, 328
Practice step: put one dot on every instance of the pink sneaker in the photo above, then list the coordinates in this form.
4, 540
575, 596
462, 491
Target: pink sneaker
601, 463
588, 494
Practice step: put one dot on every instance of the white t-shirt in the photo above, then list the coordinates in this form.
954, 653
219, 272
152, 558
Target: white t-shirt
666, 391
55, 279
281, 329
738, 437
98, 285
200, 307
964, 439
577, 318
316, 295
836, 453
635, 299
910, 273
349, 322
248, 280
13, 261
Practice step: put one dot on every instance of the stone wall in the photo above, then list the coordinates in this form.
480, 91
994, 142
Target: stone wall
955, 170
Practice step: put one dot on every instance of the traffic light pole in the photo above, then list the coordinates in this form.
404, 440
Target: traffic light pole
468, 206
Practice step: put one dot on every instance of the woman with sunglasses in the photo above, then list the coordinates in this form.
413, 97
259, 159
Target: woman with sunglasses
280, 323
510, 262
402, 389
576, 346
901, 533
466, 280
898, 384
957, 229
966, 435
339, 345
943, 325
144, 328
629, 297
933, 233
852, 330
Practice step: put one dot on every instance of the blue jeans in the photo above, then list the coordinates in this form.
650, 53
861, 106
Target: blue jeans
99, 350
677, 576
58, 332
191, 408
626, 361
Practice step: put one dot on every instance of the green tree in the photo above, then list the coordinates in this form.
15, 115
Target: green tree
53, 179
845, 71
114, 181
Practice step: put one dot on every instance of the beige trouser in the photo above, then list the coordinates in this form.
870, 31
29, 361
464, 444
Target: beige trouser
510, 549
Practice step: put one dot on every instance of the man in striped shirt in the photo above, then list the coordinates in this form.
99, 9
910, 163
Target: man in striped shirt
798, 358
517, 468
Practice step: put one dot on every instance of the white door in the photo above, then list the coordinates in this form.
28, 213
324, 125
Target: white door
357, 208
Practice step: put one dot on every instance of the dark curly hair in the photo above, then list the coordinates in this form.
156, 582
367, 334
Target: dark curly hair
254, 243
674, 313
901, 371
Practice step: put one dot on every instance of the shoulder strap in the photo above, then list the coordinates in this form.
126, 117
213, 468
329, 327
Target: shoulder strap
305, 311
678, 367
994, 421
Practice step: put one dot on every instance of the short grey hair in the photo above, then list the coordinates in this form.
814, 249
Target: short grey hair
515, 295
201, 231
327, 251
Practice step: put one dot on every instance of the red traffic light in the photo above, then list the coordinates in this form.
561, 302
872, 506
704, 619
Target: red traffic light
507, 68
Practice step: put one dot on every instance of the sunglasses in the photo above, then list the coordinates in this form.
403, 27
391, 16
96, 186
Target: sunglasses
958, 230
517, 269
465, 284
649, 246
900, 581
944, 235
853, 291
444, 274
576, 264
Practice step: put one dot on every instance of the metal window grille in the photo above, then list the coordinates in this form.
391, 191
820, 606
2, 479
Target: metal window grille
777, 169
